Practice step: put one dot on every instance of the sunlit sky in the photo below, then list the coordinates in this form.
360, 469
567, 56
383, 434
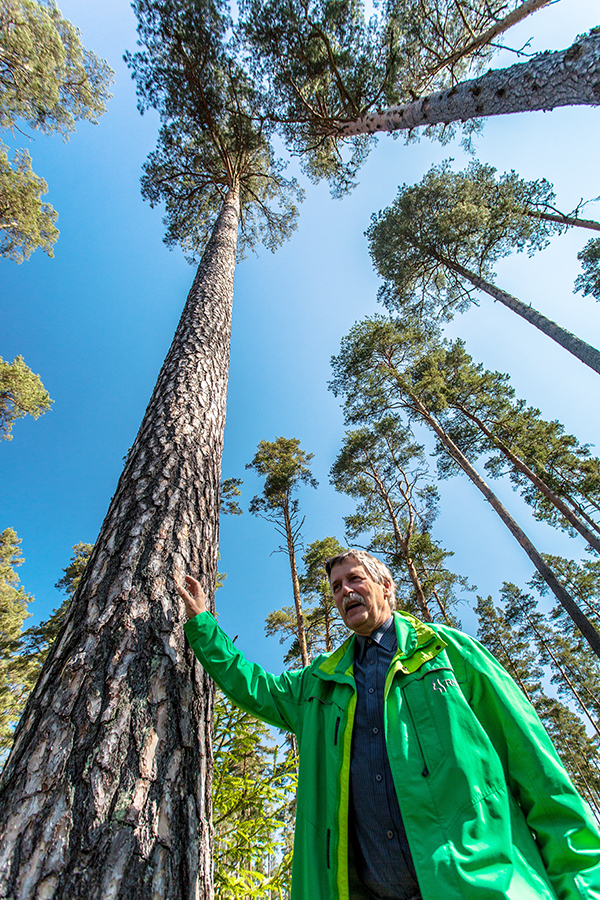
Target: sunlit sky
96, 322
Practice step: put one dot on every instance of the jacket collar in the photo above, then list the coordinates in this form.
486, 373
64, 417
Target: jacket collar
417, 644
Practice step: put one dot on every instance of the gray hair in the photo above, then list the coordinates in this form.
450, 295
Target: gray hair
378, 572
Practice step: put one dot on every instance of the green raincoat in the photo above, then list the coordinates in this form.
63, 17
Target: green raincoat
489, 810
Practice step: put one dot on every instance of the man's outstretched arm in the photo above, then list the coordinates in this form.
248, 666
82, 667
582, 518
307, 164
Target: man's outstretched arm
273, 698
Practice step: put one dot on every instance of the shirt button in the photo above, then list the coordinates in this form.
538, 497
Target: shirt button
378, 777
376, 731
372, 663
370, 641
371, 690
390, 834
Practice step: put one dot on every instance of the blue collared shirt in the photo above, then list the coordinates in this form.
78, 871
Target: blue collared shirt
381, 852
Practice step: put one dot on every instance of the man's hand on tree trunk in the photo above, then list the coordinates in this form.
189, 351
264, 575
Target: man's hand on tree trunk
195, 600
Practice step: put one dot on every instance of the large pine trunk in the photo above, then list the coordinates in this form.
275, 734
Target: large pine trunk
549, 80
106, 793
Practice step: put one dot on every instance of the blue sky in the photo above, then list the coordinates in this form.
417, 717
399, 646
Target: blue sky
96, 322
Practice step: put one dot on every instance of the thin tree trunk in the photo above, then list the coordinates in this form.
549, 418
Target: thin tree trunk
401, 541
106, 794
301, 631
584, 352
545, 646
522, 467
563, 597
566, 78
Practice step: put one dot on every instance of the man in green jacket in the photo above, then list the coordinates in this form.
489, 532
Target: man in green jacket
424, 772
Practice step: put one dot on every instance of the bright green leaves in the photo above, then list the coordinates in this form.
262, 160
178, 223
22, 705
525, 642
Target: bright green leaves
468, 218
589, 281
26, 222
15, 672
285, 467
21, 393
325, 65
253, 795
214, 139
48, 79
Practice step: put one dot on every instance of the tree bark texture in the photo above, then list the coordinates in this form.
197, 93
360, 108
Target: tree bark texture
564, 598
106, 794
566, 78
583, 351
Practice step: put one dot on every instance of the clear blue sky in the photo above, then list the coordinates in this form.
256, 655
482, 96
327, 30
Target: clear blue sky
96, 321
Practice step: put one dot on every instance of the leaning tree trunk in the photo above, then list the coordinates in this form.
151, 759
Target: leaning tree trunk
566, 78
291, 551
564, 598
539, 483
584, 352
106, 794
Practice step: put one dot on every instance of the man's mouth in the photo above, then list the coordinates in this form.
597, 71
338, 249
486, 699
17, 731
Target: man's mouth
351, 601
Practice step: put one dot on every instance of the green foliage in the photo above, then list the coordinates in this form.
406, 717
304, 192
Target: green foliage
22, 653
48, 81
47, 78
468, 218
385, 470
589, 280
21, 393
230, 490
37, 640
524, 641
15, 673
214, 137
253, 804
325, 628
285, 467
480, 413
325, 65
323, 625
26, 223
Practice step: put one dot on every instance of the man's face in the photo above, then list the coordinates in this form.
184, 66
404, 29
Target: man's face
362, 603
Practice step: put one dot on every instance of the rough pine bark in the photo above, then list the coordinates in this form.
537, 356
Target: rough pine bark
106, 794
583, 351
566, 78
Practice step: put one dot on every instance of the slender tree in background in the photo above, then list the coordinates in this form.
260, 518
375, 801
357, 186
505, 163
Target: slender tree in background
253, 791
511, 639
385, 470
15, 674
323, 625
48, 81
285, 467
558, 476
331, 74
374, 371
107, 789
21, 393
439, 240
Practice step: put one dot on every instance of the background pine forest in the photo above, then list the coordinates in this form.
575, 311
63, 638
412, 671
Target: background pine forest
402, 270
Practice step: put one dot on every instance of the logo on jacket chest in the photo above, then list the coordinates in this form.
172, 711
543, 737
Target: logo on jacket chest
442, 684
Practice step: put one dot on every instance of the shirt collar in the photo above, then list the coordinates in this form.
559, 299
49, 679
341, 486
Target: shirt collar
385, 636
